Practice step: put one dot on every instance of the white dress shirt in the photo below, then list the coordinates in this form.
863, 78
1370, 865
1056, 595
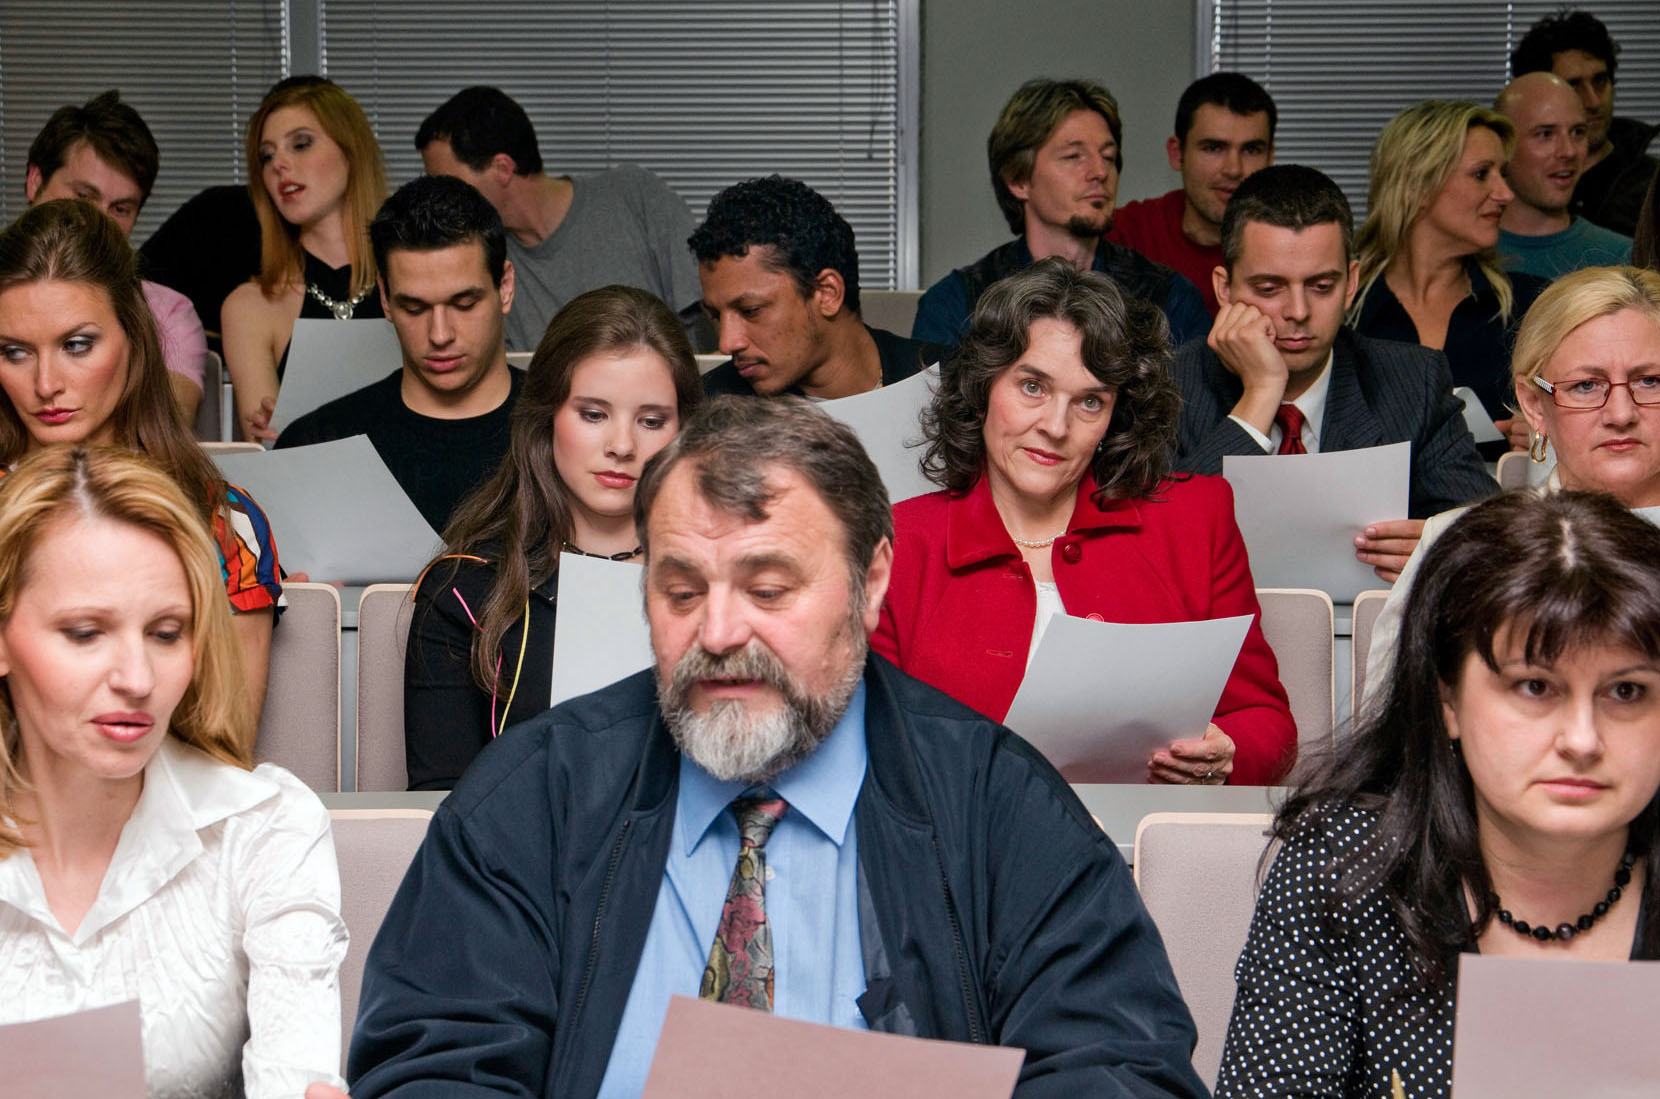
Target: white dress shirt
219, 913
1312, 404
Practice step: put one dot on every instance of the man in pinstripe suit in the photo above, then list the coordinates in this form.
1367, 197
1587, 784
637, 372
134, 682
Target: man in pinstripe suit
1280, 373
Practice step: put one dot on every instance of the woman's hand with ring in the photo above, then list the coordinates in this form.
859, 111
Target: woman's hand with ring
1206, 760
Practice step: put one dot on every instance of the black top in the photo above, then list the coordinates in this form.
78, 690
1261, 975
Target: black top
205, 249
448, 718
1478, 339
1324, 1006
1611, 192
437, 462
336, 282
901, 357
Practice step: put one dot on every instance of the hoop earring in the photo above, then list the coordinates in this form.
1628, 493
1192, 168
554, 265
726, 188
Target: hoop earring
1536, 452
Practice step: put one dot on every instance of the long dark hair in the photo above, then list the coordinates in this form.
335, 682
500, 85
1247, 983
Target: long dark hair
68, 240
1126, 344
1571, 569
521, 518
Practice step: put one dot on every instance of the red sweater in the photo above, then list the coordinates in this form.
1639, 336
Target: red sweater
960, 610
1153, 227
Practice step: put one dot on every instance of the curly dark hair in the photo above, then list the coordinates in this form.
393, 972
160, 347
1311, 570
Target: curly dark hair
801, 231
1569, 568
1565, 29
1126, 344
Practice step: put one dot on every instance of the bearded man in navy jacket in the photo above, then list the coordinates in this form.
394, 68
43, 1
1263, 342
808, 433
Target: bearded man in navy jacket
928, 873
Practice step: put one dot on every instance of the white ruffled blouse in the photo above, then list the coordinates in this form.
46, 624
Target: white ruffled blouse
219, 913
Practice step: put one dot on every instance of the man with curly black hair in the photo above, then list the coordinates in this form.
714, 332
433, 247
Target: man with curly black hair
1576, 46
780, 280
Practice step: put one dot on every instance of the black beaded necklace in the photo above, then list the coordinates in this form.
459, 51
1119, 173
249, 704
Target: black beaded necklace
571, 547
1566, 931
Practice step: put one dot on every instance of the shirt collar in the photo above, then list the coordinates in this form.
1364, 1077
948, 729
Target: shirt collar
822, 788
974, 531
1312, 402
184, 792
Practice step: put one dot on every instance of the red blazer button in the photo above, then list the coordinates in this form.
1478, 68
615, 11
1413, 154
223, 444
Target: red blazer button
1094, 616
1072, 553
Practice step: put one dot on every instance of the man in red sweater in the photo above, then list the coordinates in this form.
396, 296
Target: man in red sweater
1224, 132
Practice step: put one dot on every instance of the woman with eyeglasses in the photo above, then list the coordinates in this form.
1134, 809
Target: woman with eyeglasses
1586, 374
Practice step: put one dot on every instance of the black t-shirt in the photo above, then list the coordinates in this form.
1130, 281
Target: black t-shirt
438, 462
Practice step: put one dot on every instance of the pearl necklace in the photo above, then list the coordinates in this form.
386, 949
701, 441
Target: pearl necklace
1566, 931
342, 310
1037, 543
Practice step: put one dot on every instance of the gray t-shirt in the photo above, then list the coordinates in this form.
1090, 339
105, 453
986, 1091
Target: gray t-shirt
624, 226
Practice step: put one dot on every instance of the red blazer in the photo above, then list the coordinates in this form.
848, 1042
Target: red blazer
960, 609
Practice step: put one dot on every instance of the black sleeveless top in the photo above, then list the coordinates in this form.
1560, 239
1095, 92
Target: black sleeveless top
336, 282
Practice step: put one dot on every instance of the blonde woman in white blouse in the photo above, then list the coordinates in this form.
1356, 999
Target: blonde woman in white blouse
140, 857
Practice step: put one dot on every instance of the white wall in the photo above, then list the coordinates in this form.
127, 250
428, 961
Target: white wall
975, 53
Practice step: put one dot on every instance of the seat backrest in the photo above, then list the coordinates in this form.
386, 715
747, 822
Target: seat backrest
1199, 875
383, 616
1366, 608
299, 727
375, 847
209, 425
1297, 623
894, 310
240, 447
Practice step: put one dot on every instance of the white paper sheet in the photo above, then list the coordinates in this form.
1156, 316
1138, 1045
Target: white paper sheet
1100, 697
1300, 513
97, 1052
600, 633
1599, 1041
886, 421
336, 511
702, 1041
329, 359
1476, 418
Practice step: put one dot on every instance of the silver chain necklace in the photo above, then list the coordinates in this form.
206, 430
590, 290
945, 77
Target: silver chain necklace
342, 310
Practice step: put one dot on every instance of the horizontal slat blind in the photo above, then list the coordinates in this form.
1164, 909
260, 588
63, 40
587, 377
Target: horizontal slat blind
1340, 69
194, 69
702, 93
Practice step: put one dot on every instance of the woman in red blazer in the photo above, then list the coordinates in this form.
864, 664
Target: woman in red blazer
1051, 436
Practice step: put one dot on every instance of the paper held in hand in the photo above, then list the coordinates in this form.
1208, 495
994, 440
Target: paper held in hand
1601, 1032
86, 1053
706, 1048
1100, 697
338, 513
1475, 417
887, 423
329, 359
1300, 513
600, 633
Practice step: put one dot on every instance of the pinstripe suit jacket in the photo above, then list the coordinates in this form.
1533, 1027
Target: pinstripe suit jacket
1381, 392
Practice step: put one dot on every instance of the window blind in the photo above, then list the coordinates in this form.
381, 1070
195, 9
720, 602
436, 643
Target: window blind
194, 69
1339, 69
702, 93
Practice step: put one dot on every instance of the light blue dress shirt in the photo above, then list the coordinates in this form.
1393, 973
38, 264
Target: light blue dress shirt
812, 898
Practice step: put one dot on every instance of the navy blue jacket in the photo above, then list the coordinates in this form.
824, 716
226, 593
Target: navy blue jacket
992, 908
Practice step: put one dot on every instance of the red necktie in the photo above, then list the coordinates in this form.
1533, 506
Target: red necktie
1290, 421
739, 970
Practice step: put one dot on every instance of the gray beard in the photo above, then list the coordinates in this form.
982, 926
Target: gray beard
735, 746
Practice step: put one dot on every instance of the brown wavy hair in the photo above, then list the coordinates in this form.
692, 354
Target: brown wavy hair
68, 240
520, 519
61, 484
1126, 344
281, 263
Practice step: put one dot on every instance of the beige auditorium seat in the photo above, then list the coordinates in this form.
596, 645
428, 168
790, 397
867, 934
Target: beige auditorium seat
221, 447
375, 847
383, 617
1297, 623
1199, 874
210, 414
1367, 606
894, 310
300, 725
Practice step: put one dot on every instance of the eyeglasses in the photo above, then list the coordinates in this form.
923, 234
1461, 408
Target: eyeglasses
1591, 393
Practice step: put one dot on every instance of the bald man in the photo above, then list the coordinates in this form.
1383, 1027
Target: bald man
1537, 233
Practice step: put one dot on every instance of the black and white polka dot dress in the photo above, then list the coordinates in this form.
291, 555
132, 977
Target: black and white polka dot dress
1328, 1008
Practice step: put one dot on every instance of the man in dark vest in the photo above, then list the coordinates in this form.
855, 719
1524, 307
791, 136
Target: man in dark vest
1055, 158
